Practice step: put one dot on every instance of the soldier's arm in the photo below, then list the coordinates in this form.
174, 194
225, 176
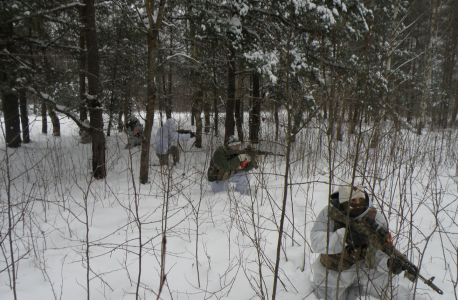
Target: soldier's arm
319, 232
223, 162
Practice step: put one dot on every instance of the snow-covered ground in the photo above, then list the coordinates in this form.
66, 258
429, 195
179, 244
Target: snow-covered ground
68, 227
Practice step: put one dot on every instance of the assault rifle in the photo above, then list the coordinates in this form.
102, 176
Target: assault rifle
252, 152
192, 133
381, 239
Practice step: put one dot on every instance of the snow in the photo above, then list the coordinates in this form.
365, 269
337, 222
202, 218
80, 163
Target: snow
266, 62
46, 96
91, 97
51, 181
235, 21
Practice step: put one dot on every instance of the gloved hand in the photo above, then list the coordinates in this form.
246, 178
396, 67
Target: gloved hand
396, 267
243, 157
340, 233
193, 134
355, 238
243, 164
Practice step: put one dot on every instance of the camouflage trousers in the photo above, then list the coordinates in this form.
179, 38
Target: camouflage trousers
164, 158
240, 178
359, 282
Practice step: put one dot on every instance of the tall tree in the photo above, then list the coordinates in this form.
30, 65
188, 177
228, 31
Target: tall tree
94, 103
8, 75
155, 13
50, 106
229, 126
24, 116
82, 68
197, 85
255, 111
11, 111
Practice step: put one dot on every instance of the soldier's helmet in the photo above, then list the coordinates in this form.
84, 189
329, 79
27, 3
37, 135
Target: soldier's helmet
233, 141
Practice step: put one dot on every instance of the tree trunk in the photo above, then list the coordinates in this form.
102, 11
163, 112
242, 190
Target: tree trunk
238, 101
126, 108
215, 99
207, 107
255, 111
50, 105
162, 93
339, 133
82, 72
277, 119
353, 118
54, 118
197, 104
110, 119
193, 113
120, 123
411, 98
44, 119
197, 97
230, 102
428, 68
451, 67
113, 91
168, 107
331, 117
95, 107
153, 36
10, 107
453, 97
375, 137
8, 92
215, 110
24, 116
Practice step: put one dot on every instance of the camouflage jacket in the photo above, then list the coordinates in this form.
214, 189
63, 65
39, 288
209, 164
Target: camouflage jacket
223, 165
351, 254
134, 128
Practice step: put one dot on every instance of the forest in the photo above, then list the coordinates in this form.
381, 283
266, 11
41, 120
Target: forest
358, 89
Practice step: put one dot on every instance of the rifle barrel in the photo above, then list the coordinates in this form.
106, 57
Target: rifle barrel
190, 131
429, 282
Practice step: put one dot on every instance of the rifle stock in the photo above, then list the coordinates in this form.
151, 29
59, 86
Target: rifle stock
380, 239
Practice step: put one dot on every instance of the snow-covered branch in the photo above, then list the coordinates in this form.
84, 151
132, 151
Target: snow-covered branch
45, 12
60, 108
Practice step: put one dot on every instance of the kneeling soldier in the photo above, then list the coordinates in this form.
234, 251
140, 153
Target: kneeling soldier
228, 165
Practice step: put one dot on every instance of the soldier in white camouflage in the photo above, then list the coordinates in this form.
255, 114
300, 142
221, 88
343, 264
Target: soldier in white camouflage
361, 273
166, 142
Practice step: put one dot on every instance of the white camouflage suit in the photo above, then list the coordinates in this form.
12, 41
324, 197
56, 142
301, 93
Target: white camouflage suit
357, 282
166, 141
